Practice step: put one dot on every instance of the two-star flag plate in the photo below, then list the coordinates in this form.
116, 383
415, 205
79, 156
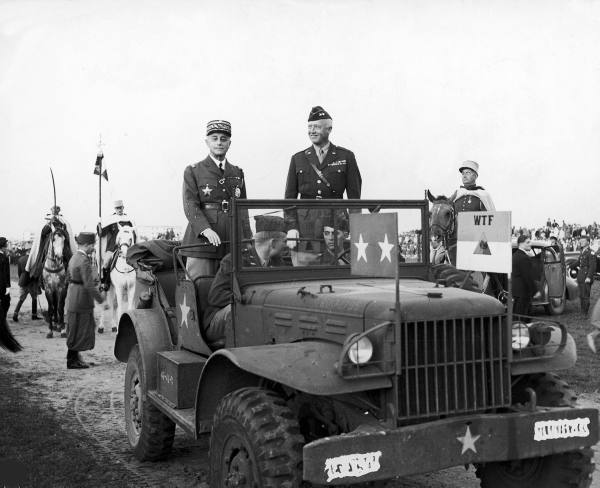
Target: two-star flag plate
484, 242
374, 240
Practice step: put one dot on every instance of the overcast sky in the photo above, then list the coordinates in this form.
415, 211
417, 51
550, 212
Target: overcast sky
413, 87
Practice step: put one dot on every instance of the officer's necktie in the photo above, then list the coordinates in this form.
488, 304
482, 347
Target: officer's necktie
221, 167
321, 155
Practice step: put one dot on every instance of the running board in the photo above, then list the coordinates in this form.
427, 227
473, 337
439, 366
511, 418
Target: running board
184, 417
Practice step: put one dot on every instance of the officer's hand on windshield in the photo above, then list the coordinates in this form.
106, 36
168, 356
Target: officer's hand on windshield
292, 236
537, 295
212, 237
588, 280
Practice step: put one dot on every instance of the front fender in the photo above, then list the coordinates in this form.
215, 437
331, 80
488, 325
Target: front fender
308, 366
149, 329
559, 362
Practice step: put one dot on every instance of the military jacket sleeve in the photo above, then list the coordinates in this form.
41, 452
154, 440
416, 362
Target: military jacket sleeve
4, 274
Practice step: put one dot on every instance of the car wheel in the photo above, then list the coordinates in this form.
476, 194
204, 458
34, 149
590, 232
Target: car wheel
255, 442
149, 431
555, 306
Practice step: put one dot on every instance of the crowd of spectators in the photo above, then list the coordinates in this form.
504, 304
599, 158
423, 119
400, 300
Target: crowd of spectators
566, 234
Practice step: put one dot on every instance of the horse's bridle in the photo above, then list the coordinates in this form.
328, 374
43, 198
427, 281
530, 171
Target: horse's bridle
123, 254
54, 258
445, 231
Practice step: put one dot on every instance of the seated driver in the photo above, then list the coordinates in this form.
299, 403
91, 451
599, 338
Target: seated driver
269, 244
334, 241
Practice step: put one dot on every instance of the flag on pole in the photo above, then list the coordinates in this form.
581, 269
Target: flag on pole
98, 166
374, 239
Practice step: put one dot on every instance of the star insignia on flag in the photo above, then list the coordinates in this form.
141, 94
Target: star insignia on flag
361, 245
207, 190
185, 310
386, 248
468, 441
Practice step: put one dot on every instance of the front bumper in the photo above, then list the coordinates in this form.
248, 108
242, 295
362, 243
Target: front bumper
373, 453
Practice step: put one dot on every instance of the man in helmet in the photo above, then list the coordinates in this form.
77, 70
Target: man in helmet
470, 197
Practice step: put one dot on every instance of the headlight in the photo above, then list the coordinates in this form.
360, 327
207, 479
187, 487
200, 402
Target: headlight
520, 336
361, 351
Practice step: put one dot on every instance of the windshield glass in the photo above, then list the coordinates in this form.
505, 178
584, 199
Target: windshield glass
306, 234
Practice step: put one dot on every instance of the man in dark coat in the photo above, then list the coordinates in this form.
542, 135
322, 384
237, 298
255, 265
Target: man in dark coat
269, 243
4, 279
26, 288
322, 170
523, 283
81, 293
207, 188
585, 274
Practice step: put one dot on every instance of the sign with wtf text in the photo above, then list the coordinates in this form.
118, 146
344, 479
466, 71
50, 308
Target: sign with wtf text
484, 242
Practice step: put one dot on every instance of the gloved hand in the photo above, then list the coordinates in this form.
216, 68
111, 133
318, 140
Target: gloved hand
292, 235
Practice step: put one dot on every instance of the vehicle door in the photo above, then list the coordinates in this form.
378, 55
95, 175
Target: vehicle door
554, 271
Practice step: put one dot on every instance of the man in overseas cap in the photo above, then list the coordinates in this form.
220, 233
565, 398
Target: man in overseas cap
81, 293
207, 188
322, 170
470, 197
269, 243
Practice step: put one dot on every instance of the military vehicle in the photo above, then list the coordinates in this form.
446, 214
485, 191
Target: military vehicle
326, 377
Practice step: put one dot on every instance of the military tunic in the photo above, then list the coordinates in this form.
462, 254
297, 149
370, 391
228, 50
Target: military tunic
339, 174
81, 292
206, 195
587, 269
472, 200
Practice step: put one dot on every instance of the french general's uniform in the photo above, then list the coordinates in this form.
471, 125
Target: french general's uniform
81, 293
587, 269
320, 172
471, 198
207, 190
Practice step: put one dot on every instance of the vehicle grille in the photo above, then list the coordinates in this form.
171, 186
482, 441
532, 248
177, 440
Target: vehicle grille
453, 366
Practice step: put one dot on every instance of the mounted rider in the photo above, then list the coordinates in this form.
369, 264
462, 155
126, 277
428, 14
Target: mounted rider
53, 221
470, 197
108, 236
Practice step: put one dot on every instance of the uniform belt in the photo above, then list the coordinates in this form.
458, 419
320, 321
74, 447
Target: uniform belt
77, 282
223, 206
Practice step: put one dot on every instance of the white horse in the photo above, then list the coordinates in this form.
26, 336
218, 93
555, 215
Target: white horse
122, 279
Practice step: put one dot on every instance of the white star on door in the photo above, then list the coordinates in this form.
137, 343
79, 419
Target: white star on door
361, 245
185, 310
207, 190
468, 441
386, 247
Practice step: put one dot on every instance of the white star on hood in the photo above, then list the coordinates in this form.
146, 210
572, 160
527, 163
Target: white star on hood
468, 441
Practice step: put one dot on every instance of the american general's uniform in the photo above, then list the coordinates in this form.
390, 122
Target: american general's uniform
587, 269
311, 178
206, 193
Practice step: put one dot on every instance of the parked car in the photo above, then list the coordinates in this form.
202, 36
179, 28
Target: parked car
572, 260
553, 281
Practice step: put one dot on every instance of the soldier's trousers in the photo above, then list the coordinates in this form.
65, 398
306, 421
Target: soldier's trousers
24, 293
585, 290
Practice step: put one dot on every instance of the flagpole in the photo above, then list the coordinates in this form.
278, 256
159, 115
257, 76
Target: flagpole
100, 156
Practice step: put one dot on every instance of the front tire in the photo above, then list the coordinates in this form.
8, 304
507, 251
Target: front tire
572, 469
149, 431
255, 442
555, 306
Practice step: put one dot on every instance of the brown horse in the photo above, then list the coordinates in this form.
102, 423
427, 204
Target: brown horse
54, 277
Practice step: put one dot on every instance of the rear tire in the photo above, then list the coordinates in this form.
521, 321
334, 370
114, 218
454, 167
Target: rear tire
569, 469
255, 442
555, 306
149, 431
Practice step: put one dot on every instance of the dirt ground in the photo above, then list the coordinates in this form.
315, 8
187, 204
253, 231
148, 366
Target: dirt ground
65, 428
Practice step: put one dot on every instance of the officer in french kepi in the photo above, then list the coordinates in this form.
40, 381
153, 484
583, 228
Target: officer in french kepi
322, 170
470, 197
208, 187
585, 274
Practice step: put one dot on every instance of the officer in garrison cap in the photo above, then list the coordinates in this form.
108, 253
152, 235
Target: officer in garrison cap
322, 170
208, 187
470, 197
